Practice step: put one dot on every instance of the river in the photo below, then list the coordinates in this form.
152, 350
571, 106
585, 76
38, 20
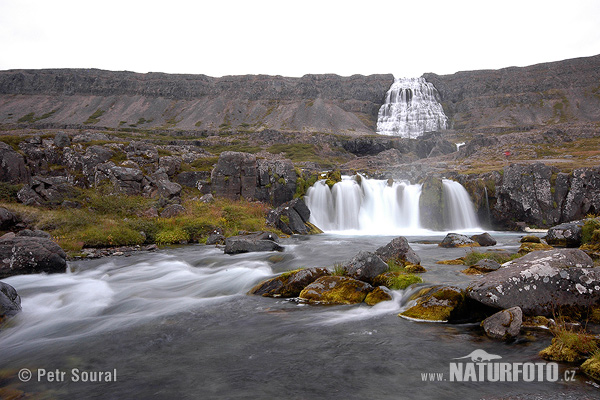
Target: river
177, 323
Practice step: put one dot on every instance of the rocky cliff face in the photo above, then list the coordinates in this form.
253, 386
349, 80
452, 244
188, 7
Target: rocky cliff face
320, 103
564, 91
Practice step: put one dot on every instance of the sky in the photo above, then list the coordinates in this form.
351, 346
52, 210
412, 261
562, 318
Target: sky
294, 38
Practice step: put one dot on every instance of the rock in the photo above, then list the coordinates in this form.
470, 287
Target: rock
12, 165
584, 194
61, 140
567, 234
168, 189
541, 283
276, 181
457, 240
10, 302
235, 175
258, 241
377, 295
192, 178
90, 137
530, 239
336, 290
30, 255
505, 324
7, 219
288, 284
365, 266
47, 190
172, 210
170, 164
398, 251
444, 304
34, 233
484, 239
215, 238
482, 267
207, 198
292, 218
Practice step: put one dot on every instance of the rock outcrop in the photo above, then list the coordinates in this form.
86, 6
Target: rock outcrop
30, 255
292, 218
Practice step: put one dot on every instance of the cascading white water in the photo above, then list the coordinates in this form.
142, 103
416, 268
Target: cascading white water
366, 205
461, 214
412, 107
375, 206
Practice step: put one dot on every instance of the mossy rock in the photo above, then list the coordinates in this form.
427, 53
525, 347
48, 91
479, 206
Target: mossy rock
414, 268
473, 270
591, 367
446, 304
336, 290
379, 294
396, 280
569, 345
536, 322
457, 261
531, 239
557, 351
528, 247
288, 284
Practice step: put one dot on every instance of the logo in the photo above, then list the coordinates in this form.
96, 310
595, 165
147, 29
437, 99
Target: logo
485, 367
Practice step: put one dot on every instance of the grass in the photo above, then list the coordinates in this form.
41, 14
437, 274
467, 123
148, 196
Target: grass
473, 257
94, 118
296, 152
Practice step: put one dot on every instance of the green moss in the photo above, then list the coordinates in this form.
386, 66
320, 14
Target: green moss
95, 117
175, 235
376, 296
336, 290
333, 177
591, 366
437, 304
569, 345
297, 152
396, 280
587, 231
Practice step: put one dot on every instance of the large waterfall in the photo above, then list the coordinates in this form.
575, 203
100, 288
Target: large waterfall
374, 206
412, 107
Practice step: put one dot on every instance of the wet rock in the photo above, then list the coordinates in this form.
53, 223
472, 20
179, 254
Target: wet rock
398, 251
457, 240
30, 255
12, 165
484, 239
292, 218
377, 295
10, 302
258, 241
172, 210
503, 325
336, 290
365, 266
541, 283
288, 284
431, 204
567, 234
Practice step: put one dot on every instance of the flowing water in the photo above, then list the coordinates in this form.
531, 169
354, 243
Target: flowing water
412, 107
178, 324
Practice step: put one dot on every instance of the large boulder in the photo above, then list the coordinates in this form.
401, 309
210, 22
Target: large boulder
584, 194
10, 302
541, 283
12, 165
457, 240
235, 175
336, 290
292, 217
288, 284
484, 239
30, 255
505, 324
7, 219
257, 241
567, 234
398, 251
365, 266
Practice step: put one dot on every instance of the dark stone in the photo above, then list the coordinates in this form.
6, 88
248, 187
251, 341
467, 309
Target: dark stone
567, 234
47, 190
34, 233
10, 302
487, 265
30, 255
172, 210
258, 241
288, 284
215, 238
235, 175
457, 240
504, 325
7, 219
61, 139
12, 165
192, 178
541, 283
291, 218
399, 251
170, 164
484, 239
365, 266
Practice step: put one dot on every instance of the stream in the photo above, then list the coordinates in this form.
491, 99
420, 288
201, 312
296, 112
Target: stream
177, 323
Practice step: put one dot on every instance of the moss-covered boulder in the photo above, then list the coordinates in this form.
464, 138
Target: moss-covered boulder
457, 240
336, 290
377, 295
528, 247
531, 239
414, 268
445, 304
398, 251
570, 346
288, 284
591, 367
396, 280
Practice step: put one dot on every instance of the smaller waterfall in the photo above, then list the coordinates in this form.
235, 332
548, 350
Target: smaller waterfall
461, 214
412, 107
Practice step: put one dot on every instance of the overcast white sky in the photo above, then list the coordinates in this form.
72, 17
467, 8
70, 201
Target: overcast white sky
293, 38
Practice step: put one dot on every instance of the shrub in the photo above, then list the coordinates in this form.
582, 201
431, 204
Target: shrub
174, 235
587, 231
8, 192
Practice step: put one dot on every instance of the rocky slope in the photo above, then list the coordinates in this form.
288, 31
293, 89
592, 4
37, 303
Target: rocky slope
318, 103
549, 93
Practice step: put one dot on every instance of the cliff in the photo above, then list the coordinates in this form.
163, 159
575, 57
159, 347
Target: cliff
513, 98
320, 103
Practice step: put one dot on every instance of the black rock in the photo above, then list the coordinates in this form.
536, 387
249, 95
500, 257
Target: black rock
365, 266
10, 302
258, 241
30, 255
399, 251
484, 239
